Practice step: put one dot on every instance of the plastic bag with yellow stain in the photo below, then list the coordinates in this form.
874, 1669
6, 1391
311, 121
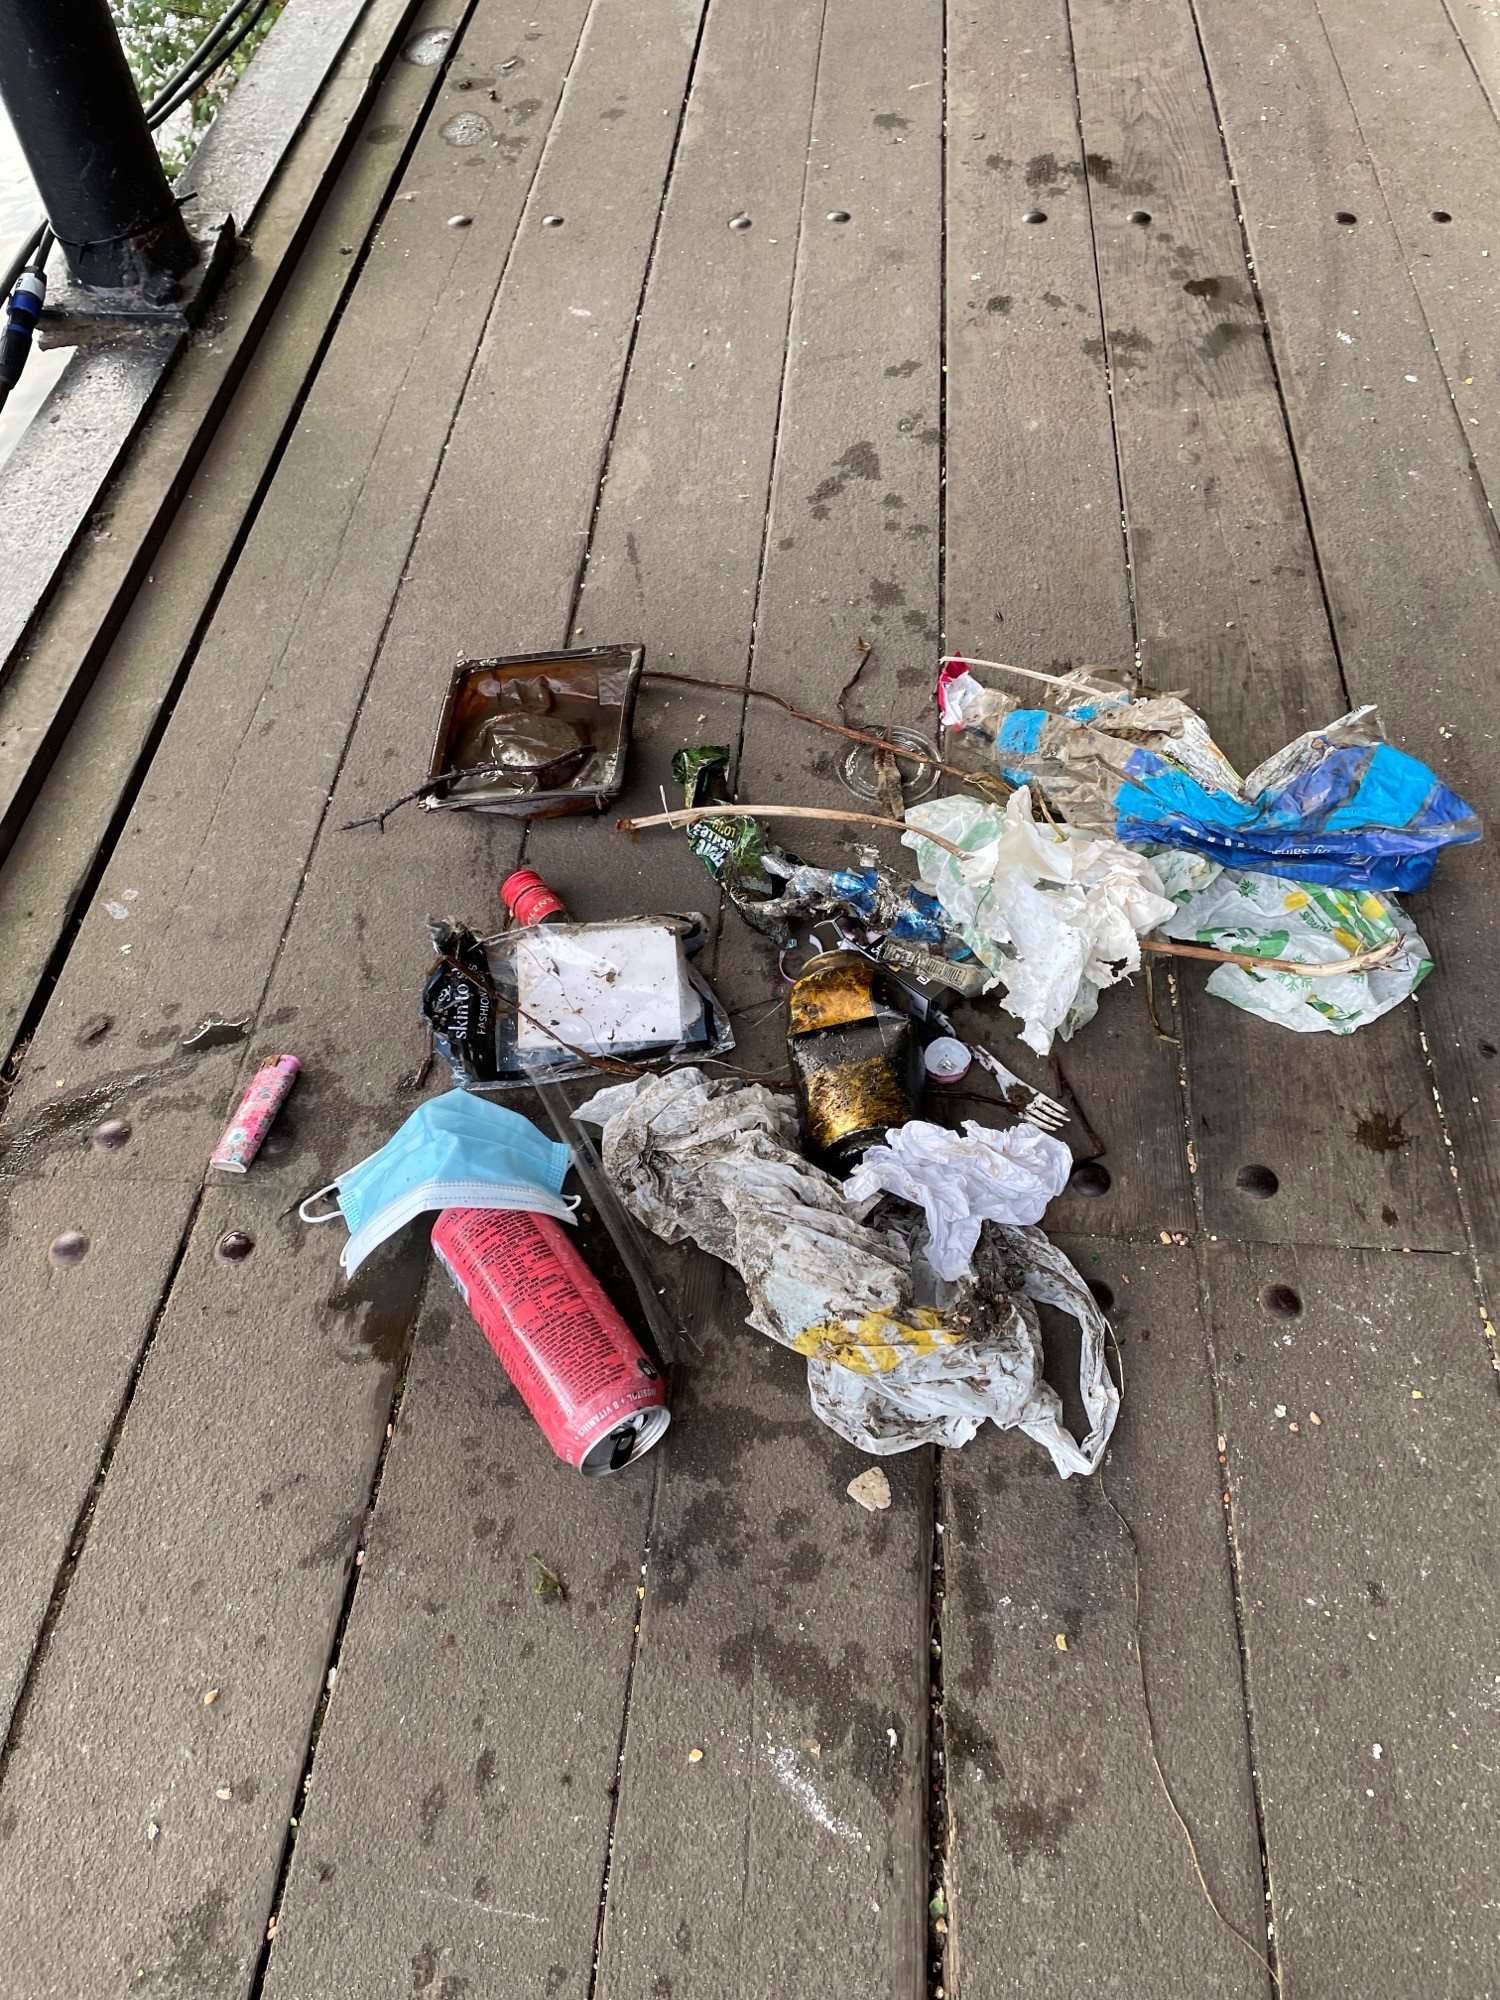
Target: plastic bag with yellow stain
1303, 921
989, 1363
895, 1357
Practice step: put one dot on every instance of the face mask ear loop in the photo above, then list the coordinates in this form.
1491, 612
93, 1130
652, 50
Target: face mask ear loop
317, 1195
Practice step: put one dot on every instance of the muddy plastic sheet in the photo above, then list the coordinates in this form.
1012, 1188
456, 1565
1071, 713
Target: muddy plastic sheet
896, 1358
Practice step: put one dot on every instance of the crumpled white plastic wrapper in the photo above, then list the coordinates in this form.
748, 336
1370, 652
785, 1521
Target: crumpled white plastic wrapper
996, 1371
961, 1181
1056, 914
1308, 922
896, 1358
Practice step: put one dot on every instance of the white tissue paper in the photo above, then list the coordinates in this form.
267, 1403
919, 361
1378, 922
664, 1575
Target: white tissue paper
961, 1181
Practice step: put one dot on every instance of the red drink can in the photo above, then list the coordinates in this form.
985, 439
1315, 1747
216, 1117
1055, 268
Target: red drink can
601, 1402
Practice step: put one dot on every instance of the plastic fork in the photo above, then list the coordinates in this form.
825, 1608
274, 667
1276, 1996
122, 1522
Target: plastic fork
1033, 1106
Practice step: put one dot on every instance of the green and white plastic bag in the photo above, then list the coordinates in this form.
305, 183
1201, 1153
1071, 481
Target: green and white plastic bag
1303, 921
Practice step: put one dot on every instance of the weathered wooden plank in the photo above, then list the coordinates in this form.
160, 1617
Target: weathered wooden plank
852, 548
101, 399
1034, 553
457, 1826
55, 844
1034, 544
690, 460
144, 1825
350, 1095
1230, 609
783, 1634
280, 674
852, 540
1478, 29
539, 1850
744, 1405
1051, 1800
240, 152
69, 1338
1405, 538
1058, 1818
750, 1486
1433, 140
1366, 1546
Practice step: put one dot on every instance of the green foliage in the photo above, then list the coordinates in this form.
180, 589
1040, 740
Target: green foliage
159, 36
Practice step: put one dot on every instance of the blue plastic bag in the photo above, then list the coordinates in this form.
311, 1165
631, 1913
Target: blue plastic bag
1364, 816
1338, 806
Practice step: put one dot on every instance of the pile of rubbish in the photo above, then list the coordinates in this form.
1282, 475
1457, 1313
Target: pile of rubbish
895, 1249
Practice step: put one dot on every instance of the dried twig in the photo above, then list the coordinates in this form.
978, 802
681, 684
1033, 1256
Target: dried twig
425, 790
379, 819
1362, 961
689, 815
866, 653
415, 1078
1077, 678
1156, 1027
1069, 1097
984, 781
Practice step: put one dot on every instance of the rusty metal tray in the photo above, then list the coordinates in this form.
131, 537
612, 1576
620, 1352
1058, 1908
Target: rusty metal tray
536, 734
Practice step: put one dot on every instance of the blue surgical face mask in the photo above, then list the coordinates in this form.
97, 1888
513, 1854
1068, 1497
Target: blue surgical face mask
455, 1151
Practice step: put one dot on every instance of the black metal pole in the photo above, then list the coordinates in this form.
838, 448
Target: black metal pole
78, 118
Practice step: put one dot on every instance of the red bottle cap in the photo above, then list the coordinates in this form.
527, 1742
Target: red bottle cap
529, 900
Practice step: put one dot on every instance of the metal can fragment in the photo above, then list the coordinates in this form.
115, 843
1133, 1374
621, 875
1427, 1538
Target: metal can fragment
853, 1056
255, 1114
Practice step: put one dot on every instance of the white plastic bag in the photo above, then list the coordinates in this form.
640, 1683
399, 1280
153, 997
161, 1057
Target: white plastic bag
896, 1358
1057, 915
996, 1373
963, 1180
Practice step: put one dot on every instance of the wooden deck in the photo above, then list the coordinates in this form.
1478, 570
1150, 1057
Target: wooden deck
1096, 365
